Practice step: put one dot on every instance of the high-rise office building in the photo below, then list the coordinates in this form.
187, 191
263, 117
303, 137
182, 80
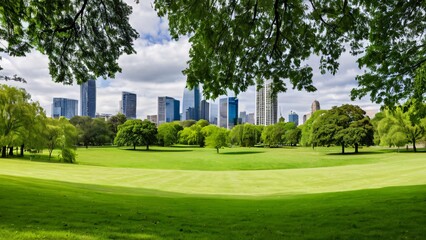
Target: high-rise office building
128, 105
213, 114
64, 107
293, 117
266, 105
315, 106
191, 104
152, 118
228, 112
88, 98
250, 118
168, 110
205, 110
243, 117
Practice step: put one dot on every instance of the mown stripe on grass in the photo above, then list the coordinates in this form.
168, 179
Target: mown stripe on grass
256, 183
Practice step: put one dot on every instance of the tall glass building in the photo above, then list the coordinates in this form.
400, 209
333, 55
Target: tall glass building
228, 112
88, 98
128, 105
191, 104
168, 110
205, 110
213, 113
293, 117
64, 107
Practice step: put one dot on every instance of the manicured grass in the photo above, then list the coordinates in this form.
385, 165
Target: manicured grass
194, 158
39, 209
193, 193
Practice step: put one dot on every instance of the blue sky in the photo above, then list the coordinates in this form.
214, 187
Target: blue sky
156, 71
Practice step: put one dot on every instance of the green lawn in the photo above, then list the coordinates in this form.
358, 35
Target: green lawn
121, 194
193, 158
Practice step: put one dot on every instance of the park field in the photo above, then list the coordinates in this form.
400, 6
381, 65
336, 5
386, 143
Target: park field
194, 193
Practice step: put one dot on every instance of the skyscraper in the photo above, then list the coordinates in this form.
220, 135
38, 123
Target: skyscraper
64, 107
191, 104
243, 117
266, 105
88, 98
250, 118
315, 106
213, 113
205, 110
128, 105
168, 110
228, 112
293, 117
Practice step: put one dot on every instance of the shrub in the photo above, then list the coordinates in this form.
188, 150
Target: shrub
68, 155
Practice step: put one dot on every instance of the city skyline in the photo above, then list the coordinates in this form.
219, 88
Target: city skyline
149, 74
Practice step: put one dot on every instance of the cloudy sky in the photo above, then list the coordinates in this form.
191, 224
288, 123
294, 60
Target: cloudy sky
156, 71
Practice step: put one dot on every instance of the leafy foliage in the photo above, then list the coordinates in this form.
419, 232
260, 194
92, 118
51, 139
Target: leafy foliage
238, 43
168, 133
60, 133
70, 33
21, 121
217, 138
406, 123
344, 125
135, 132
91, 131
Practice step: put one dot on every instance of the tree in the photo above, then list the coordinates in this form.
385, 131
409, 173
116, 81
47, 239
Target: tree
84, 128
217, 138
60, 133
407, 120
274, 135
293, 136
136, 132
306, 138
70, 33
168, 133
16, 116
237, 43
114, 121
236, 135
358, 133
91, 131
250, 135
33, 136
344, 125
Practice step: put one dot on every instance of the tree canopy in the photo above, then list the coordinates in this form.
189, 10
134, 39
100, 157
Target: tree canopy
344, 125
405, 123
71, 33
135, 132
235, 44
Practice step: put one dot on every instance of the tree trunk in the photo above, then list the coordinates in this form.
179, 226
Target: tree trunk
356, 147
10, 151
217, 150
414, 145
134, 146
147, 147
3, 152
343, 148
22, 150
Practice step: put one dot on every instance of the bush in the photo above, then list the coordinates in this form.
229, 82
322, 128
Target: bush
68, 155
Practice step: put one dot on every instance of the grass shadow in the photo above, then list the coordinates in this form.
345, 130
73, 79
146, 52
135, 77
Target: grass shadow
356, 154
158, 150
242, 153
